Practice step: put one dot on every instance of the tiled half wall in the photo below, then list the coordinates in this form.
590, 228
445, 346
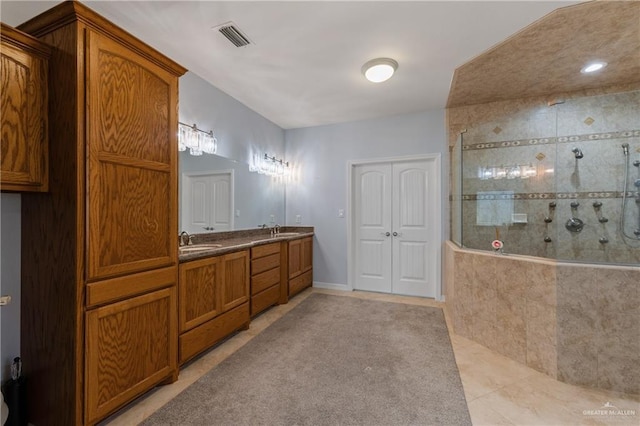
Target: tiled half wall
578, 323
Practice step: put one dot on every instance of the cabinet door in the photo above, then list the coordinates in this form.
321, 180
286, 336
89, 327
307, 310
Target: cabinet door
132, 153
199, 296
295, 257
23, 93
235, 289
130, 347
306, 254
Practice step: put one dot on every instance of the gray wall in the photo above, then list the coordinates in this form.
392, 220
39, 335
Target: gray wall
240, 131
9, 280
320, 154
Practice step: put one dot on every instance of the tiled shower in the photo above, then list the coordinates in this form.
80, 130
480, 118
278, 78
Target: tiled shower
548, 181
547, 177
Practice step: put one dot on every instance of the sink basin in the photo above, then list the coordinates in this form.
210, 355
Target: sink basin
199, 247
286, 234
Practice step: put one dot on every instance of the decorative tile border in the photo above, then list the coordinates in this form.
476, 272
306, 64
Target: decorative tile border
545, 196
551, 140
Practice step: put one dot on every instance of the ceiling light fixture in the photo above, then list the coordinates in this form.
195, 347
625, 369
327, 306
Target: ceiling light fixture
379, 70
593, 67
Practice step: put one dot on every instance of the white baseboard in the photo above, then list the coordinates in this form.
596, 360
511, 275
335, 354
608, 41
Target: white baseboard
331, 286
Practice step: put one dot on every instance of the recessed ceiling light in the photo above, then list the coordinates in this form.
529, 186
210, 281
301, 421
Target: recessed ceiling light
379, 70
593, 67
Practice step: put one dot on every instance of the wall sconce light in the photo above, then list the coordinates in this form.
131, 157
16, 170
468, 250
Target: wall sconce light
197, 141
270, 166
379, 70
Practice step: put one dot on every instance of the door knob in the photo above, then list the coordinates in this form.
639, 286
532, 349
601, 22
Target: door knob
395, 234
385, 234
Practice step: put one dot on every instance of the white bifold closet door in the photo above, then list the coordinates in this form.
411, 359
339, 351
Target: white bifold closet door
207, 202
395, 229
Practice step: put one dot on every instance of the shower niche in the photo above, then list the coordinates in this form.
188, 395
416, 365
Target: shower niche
559, 181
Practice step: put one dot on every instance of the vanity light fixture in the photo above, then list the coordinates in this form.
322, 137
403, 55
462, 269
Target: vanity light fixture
593, 67
270, 166
379, 70
197, 141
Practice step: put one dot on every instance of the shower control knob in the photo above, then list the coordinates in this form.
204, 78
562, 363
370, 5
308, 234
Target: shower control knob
548, 220
547, 239
575, 204
597, 204
552, 205
603, 220
603, 240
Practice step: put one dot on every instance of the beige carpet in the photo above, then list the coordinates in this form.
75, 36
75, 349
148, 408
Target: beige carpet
333, 360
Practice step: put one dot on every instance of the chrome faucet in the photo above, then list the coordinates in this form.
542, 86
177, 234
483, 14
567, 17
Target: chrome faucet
275, 230
181, 237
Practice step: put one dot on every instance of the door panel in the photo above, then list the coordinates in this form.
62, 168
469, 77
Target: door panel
221, 217
398, 199
207, 201
413, 249
373, 222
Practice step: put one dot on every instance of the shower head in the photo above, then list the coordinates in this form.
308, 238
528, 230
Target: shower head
625, 149
577, 152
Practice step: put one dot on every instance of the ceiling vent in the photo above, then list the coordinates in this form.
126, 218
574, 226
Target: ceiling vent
233, 34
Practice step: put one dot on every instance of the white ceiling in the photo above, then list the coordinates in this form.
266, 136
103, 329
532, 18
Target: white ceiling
304, 68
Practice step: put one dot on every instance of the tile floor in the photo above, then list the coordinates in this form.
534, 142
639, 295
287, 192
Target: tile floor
499, 391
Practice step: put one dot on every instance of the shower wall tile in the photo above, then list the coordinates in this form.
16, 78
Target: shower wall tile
542, 357
604, 110
578, 363
619, 372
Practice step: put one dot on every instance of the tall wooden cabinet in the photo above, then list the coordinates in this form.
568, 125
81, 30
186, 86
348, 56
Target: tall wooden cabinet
24, 63
99, 252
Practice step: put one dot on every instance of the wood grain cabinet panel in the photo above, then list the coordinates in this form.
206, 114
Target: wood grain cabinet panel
130, 105
300, 263
235, 289
213, 301
200, 291
24, 156
129, 348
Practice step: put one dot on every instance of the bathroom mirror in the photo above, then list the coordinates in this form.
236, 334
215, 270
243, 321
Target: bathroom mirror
219, 194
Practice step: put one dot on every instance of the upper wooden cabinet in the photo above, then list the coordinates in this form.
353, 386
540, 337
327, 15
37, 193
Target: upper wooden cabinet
23, 92
131, 122
99, 251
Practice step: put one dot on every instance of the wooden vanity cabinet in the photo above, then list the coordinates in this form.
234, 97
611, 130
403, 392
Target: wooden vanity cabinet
266, 276
24, 157
213, 301
300, 262
99, 252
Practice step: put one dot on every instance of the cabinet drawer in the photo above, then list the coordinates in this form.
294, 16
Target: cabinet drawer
265, 280
263, 300
300, 282
108, 291
265, 263
265, 250
208, 334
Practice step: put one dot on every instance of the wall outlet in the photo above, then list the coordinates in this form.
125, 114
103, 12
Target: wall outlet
237, 213
298, 218
272, 219
340, 212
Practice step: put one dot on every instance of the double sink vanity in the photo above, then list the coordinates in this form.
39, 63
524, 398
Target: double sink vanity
227, 278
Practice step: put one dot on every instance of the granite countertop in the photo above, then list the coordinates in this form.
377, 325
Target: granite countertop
232, 241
